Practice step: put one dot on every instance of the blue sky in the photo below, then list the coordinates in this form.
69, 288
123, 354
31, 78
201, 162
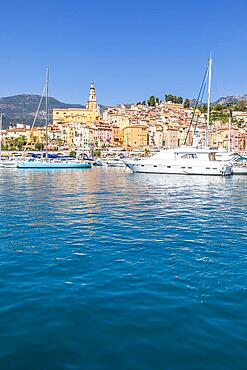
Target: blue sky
131, 49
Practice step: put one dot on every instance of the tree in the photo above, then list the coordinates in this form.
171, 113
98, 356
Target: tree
20, 142
203, 108
169, 97
218, 107
151, 101
9, 143
144, 102
147, 152
241, 105
174, 99
187, 103
39, 146
96, 153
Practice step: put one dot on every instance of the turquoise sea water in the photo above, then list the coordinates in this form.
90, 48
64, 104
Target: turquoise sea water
103, 269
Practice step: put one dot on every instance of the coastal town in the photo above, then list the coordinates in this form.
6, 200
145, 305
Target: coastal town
145, 126
123, 185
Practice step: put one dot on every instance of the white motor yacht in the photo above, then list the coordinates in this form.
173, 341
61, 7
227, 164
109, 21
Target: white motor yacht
183, 161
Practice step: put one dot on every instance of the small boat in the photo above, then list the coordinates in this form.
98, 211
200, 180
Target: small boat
115, 162
6, 163
39, 164
239, 169
237, 161
100, 162
110, 162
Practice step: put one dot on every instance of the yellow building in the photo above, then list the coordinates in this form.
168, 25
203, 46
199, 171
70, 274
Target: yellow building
118, 120
37, 135
88, 115
135, 137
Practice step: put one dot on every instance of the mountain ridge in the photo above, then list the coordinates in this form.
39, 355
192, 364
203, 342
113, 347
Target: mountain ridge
231, 99
21, 108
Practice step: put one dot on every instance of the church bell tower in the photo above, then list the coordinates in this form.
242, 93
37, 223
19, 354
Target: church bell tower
92, 103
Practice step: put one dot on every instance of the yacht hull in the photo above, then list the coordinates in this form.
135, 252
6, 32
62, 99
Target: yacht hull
209, 170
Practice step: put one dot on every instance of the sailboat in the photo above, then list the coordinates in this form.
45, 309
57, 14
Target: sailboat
186, 160
47, 163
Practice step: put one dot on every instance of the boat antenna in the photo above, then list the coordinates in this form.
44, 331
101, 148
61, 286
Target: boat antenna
46, 108
209, 99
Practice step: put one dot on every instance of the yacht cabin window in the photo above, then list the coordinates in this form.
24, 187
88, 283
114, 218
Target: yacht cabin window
189, 156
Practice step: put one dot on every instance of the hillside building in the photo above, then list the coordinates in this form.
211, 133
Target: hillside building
88, 115
135, 137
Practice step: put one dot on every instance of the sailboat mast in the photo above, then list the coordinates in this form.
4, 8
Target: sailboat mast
229, 130
209, 99
46, 109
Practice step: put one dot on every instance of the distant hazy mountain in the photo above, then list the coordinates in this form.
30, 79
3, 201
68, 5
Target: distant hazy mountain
223, 100
22, 108
231, 99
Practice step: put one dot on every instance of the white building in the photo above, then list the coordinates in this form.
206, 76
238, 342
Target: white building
82, 137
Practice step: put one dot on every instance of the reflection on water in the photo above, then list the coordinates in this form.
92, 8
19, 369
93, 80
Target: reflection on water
104, 269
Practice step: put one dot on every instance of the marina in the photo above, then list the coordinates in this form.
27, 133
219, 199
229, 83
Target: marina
123, 185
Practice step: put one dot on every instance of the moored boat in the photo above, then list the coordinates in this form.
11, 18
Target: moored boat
237, 161
6, 163
239, 169
53, 164
47, 163
115, 162
182, 161
110, 162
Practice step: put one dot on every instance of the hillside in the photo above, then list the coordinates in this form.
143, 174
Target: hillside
22, 108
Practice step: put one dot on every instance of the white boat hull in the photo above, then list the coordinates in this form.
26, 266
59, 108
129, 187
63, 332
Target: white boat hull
213, 169
8, 164
116, 164
239, 170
